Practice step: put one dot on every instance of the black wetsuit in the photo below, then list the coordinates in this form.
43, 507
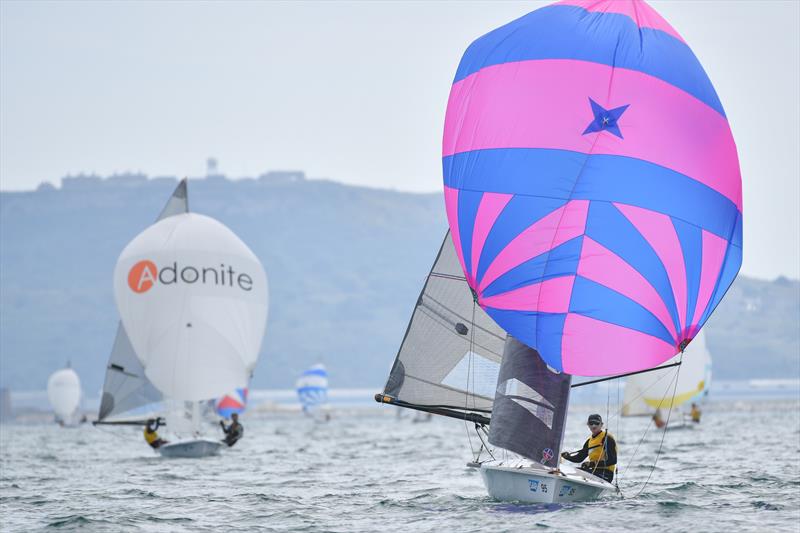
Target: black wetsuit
233, 433
600, 468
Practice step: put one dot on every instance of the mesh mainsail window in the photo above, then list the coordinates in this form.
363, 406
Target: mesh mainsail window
530, 407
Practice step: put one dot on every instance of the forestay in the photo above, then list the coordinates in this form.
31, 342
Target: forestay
451, 351
530, 405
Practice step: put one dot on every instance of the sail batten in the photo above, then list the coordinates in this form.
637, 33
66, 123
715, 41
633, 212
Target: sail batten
447, 359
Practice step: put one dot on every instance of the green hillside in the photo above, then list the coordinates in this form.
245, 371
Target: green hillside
345, 265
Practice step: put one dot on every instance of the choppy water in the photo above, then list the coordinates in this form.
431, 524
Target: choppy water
737, 471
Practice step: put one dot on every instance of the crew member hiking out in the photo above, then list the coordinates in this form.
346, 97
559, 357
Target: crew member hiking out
234, 432
150, 434
600, 449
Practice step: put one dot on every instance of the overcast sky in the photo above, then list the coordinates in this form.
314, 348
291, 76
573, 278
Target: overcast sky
352, 91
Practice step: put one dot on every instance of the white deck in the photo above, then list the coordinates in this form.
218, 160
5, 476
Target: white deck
534, 484
191, 448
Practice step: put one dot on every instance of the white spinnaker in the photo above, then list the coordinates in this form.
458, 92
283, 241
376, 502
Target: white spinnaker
644, 393
64, 392
193, 299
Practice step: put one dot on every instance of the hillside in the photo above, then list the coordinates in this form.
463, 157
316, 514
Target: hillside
345, 266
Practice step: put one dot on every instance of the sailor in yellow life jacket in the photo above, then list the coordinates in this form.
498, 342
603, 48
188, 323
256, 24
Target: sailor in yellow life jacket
600, 448
150, 434
695, 413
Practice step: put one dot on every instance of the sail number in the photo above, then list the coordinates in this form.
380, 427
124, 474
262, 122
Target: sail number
534, 485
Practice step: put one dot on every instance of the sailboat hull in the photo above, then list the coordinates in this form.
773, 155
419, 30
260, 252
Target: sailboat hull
533, 485
191, 448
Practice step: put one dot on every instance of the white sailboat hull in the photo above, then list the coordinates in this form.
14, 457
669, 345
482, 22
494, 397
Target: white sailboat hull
533, 485
191, 448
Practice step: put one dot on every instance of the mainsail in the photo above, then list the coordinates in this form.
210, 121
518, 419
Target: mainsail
126, 388
644, 393
450, 355
530, 405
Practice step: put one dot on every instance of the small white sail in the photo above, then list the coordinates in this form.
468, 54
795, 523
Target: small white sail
64, 393
193, 301
644, 393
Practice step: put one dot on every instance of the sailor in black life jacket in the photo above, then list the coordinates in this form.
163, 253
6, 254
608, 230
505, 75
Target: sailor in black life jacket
600, 448
234, 432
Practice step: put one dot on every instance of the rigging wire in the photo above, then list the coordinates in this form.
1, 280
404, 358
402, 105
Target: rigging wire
666, 425
619, 419
649, 425
618, 413
467, 387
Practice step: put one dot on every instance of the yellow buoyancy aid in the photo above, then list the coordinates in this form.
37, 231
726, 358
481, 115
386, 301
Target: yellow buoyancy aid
150, 436
597, 452
695, 414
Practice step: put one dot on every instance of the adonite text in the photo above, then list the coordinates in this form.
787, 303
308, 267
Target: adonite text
144, 274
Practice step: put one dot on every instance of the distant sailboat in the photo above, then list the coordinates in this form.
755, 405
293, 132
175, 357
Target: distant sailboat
235, 402
312, 390
647, 393
64, 393
193, 303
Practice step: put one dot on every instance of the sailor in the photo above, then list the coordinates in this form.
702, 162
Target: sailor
695, 413
150, 434
658, 420
600, 448
234, 432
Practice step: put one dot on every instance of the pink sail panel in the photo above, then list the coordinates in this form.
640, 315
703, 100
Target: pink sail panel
507, 106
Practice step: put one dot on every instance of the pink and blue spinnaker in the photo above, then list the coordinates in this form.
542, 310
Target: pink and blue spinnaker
592, 185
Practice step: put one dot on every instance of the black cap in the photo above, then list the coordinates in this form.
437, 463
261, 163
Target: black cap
595, 418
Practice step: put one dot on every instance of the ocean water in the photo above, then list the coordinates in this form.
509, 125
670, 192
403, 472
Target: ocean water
737, 471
